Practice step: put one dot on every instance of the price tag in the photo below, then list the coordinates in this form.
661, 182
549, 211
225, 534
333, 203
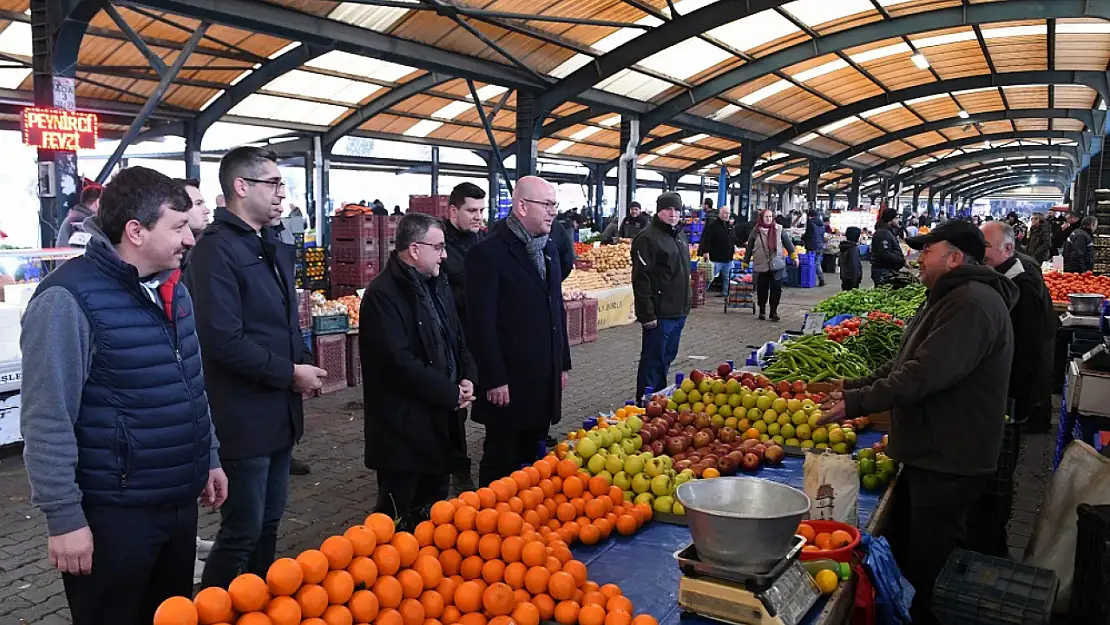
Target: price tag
814, 322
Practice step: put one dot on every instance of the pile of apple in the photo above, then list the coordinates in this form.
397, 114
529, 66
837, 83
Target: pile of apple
876, 469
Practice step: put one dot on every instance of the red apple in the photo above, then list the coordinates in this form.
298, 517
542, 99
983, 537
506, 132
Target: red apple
727, 466
774, 455
737, 456
750, 462
727, 435
799, 386
748, 444
758, 450
702, 421
724, 369
657, 447
690, 429
685, 418
697, 469
696, 376
679, 457
748, 384
654, 409
682, 465
672, 445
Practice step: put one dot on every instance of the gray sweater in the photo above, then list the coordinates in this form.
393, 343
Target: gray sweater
58, 348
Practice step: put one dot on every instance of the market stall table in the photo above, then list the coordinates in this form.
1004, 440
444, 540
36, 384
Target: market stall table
644, 565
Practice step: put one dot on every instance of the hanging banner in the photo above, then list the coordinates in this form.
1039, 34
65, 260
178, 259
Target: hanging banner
56, 129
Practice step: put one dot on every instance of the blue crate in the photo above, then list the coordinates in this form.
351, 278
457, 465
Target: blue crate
306, 334
793, 276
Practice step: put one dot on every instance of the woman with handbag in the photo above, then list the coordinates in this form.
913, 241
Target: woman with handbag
765, 254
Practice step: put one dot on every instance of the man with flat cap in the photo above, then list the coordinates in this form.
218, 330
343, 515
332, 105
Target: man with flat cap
661, 288
886, 255
947, 393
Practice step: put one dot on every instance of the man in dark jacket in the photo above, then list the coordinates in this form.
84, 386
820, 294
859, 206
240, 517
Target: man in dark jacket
461, 231
716, 246
72, 224
1034, 323
634, 222
118, 443
851, 268
413, 342
256, 364
1070, 223
661, 288
887, 258
1039, 246
516, 330
199, 213
814, 240
1079, 249
946, 390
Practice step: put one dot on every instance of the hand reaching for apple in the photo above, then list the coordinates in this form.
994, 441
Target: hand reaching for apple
499, 396
833, 409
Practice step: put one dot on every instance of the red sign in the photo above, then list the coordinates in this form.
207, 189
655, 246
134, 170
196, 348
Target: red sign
55, 129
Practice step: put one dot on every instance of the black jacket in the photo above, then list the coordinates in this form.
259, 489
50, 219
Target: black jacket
516, 329
1079, 251
661, 273
946, 387
250, 336
851, 268
814, 237
716, 240
742, 232
1039, 246
458, 245
885, 252
413, 357
631, 226
1034, 323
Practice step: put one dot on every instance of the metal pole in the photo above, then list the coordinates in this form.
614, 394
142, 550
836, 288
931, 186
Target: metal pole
435, 170
486, 124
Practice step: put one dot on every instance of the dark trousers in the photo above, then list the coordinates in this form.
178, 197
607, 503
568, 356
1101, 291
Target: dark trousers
141, 557
505, 451
766, 283
247, 540
849, 285
461, 463
928, 521
401, 492
658, 348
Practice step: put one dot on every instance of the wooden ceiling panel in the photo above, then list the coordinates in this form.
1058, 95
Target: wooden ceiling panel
897, 72
935, 109
750, 87
795, 104
1074, 96
1069, 124
846, 85
991, 128
849, 21
961, 132
919, 6
895, 119
1031, 124
1027, 97
980, 101
1082, 52
756, 122
1019, 54
857, 132
955, 60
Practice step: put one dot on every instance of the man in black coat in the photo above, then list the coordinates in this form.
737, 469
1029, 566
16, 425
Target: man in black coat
887, 258
1079, 249
516, 329
256, 365
634, 222
417, 372
716, 245
461, 230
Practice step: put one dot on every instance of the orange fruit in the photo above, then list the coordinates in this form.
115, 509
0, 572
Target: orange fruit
412, 584
387, 559
468, 597
618, 617
314, 565
546, 605
562, 553
573, 487
553, 564
486, 521
284, 611
562, 585
412, 612
388, 616
646, 510
451, 615
594, 596
430, 552
176, 611
446, 589
566, 468
566, 613
471, 499
603, 526
620, 602
363, 540
445, 536
425, 532
509, 524
565, 512
595, 509
489, 547
533, 475
313, 600
471, 568
487, 497
339, 586
430, 571
465, 518
577, 570
533, 554
363, 571
433, 603
248, 593
493, 571
811, 548
591, 614
382, 526
610, 591
467, 543
442, 512
522, 480
512, 548
284, 577
644, 619
840, 538
363, 606
389, 591
536, 580
805, 530
339, 551
407, 547
337, 615
823, 540
254, 618
473, 618
627, 525
498, 599
450, 560
213, 605
525, 613
514, 575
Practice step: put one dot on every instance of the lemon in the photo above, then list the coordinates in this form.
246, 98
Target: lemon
826, 581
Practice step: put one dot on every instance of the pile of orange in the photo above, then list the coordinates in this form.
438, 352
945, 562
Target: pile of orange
822, 541
499, 555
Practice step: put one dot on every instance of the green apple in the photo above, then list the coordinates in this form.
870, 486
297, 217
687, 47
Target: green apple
773, 429
787, 430
636, 423
622, 480
661, 485
763, 403
575, 458
637, 442
607, 475
586, 448
866, 454
641, 483
836, 435
779, 440
748, 401
633, 465
808, 444
678, 509
763, 438
664, 504
629, 495
628, 446
684, 476
799, 418
596, 464
655, 467
615, 449
822, 435
793, 442
618, 433
613, 464
840, 448
850, 438
804, 432
647, 498
755, 414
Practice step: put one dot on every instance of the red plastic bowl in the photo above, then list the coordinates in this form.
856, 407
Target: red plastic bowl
844, 554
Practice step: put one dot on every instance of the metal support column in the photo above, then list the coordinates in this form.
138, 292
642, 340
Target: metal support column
435, 170
744, 181
701, 191
528, 122
321, 169
853, 192
498, 161
815, 168
193, 138
626, 172
599, 187
916, 199
783, 208
493, 175
309, 158
931, 206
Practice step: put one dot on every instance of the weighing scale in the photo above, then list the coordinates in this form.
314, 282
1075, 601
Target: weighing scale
782, 595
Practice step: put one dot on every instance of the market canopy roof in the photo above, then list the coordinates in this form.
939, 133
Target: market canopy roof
885, 87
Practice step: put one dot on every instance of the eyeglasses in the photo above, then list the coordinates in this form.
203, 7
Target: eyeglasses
438, 247
276, 184
552, 207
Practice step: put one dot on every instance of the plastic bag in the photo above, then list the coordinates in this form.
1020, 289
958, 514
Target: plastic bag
893, 593
1081, 478
832, 483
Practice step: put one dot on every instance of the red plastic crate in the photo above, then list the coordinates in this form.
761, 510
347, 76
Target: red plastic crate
353, 250
574, 321
356, 274
353, 226
434, 205
589, 320
340, 290
331, 356
697, 285
304, 308
354, 364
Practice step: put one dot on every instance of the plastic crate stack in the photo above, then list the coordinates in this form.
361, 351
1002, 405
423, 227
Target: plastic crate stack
697, 286
355, 252
589, 320
976, 589
1102, 235
740, 292
434, 205
574, 321
331, 356
693, 231
807, 270
386, 233
354, 364
314, 270
304, 309
1090, 603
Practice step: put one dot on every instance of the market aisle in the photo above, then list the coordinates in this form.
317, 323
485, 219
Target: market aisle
340, 491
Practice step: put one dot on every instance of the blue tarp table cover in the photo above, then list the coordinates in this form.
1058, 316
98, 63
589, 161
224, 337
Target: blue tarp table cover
643, 564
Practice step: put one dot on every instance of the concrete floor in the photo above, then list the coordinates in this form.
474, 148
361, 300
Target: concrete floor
340, 491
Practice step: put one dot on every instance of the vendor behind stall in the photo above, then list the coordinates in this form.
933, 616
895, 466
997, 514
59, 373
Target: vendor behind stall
886, 254
946, 390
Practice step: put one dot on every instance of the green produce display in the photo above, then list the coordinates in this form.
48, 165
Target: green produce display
815, 358
900, 302
877, 342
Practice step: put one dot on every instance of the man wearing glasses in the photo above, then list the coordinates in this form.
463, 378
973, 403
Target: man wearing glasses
516, 327
412, 339
255, 362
